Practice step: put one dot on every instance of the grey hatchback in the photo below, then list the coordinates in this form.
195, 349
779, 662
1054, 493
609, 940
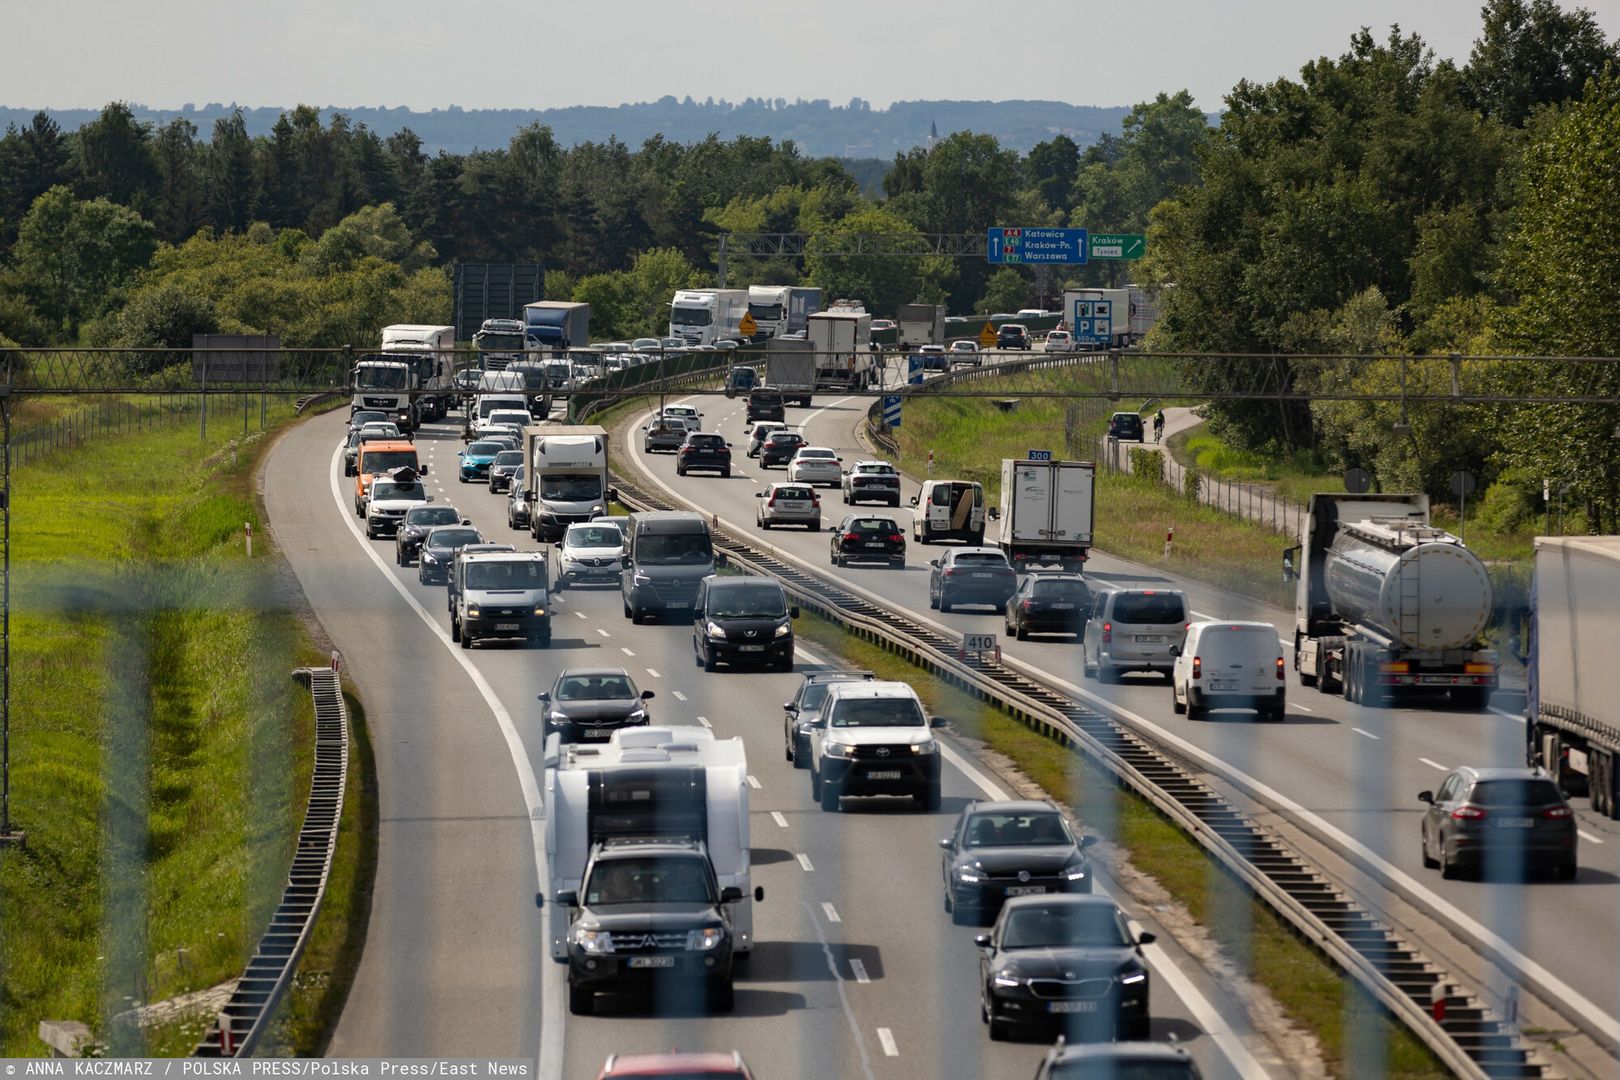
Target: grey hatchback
1498, 821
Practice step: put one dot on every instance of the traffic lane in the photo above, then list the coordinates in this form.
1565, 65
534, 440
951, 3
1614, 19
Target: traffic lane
449, 968
1303, 758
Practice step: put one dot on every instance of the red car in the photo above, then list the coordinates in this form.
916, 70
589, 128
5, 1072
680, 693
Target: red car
698, 1065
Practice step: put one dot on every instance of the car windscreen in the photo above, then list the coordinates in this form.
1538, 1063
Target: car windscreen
690, 316
381, 461
877, 712
1017, 830
1061, 591
452, 538
1069, 925
883, 525
509, 457
706, 440
593, 536
384, 490
481, 449
1111, 1069
432, 515
763, 601
570, 488
1159, 609
650, 879
525, 574
981, 560
1514, 792
1237, 643
674, 549
595, 688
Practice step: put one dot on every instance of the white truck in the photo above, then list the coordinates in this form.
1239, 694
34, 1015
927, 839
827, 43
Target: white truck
921, 324
1386, 603
566, 476
500, 344
1573, 704
430, 353
381, 383
781, 309
790, 370
705, 316
842, 344
647, 782
1046, 512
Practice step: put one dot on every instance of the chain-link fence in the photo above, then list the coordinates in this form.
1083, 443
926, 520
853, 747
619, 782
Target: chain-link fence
1252, 502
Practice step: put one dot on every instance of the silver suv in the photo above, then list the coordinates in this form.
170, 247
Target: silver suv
1133, 630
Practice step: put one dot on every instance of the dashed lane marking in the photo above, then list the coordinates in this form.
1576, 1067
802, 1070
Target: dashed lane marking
678, 695
704, 720
1433, 764
804, 861
886, 1037
654, 673
626, 651
753, 782
830, 911
1588, 837
858, 969
1364, 731
776, 816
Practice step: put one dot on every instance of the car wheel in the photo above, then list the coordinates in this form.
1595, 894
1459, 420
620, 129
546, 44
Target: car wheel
1021, 634
944, 604
829, 798
835, 559
1448, 869
1197, 713
801, 754
680, 472
785, 664
929, 799
722, 996
895, 502
960, 917
815, 526
846, 499
466, 639
1000, 1030
815, 783
933, 601
1007, 629
1177, 706
1108, 674
581, 1002
764, 524
1428, 861
1567, 871
708, 661
725, 474
626, 604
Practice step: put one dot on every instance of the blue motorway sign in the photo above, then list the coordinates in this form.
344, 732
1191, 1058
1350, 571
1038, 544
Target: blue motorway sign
1092, 322
1063, 247
891, 410
1038, 455
914, 369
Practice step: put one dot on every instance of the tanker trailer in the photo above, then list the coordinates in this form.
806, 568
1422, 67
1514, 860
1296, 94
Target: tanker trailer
1386, 603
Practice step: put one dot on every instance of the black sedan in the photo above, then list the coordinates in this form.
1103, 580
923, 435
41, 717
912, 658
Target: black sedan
1014, 847
860, 538
590, 704
1063, 962
418, 522
1048, 604
439, 551
501, 470
779, 448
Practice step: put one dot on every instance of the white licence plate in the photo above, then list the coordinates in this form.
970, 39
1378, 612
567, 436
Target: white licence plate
794, 508
1149, 639
878, 545
1025, 890
883, 774
1063, 607
675, 604
1514, 823
751, 648
594, 733
981, 575
1071, 1006
1223, 684
652, 961
506, 626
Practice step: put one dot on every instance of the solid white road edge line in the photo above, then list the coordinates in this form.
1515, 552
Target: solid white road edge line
549, 1065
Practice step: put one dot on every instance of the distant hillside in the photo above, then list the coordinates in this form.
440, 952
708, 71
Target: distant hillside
819, 128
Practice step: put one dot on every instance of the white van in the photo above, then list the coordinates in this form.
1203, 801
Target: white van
1230, 665
948, 510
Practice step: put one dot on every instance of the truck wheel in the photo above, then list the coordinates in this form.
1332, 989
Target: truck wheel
722, 996
829, 798
929, 799
581, 1002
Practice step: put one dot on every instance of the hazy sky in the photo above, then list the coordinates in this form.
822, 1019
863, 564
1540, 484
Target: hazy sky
544, 53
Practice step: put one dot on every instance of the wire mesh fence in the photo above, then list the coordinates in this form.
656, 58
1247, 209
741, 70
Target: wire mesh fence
1249, 501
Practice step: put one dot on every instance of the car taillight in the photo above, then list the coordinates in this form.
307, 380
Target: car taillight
1198, 667
898, 538
1557, 813
949, 572
815, 500
852, 536
772, 500
1108, 632
1027, 605
1280, 676
1468, 813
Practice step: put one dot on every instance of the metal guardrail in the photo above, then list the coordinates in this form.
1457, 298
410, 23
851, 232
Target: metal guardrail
1471, 1041
246, 1016
684, 381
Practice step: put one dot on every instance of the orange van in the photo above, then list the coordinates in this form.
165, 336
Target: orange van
376, 458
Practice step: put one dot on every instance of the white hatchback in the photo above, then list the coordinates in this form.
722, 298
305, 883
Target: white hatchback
1230, 665
816, 465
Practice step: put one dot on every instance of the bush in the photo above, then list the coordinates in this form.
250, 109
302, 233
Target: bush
1148, 464
1509, 505
1191, 485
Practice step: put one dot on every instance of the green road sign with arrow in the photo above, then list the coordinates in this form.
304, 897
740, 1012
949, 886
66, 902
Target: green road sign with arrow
1116, 246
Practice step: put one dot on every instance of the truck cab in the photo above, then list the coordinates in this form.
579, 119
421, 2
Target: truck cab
499, 343
385, 385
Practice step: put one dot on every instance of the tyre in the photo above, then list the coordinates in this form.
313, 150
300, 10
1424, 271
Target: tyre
540, 639
829, 798
1177, 706
1000, 1030
708, 661
785, 664
815, 526
895, 502
815, 783
725, 474
929, 798
1088, 670
466, 639
944, 604
801, 755
680, 472
1566, 871
1274, 714
960, 917
1197, 713
764, 524
933, 601
897, 564
1428, 862
1021, 634
626, 604
835, 559
455, 629
1448, 869
846, 499
581, 1002
722, 996
1007, 629
1108, 674
399, 556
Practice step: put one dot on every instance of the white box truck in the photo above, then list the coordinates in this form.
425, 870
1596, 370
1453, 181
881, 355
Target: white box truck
921, 324
566, 476
673, 783
705, 316
790, 370
1046, 512
842, 343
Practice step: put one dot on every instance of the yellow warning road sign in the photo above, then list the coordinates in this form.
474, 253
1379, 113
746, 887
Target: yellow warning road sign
987, 337
748, 327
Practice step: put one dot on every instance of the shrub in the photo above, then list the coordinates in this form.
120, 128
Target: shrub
1509, 505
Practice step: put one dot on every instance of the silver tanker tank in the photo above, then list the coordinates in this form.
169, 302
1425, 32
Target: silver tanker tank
1416, 585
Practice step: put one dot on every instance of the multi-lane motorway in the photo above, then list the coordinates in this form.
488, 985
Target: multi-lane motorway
857, 971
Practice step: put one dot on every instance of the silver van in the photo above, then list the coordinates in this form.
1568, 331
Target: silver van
1133, 630
667, 553
500, 594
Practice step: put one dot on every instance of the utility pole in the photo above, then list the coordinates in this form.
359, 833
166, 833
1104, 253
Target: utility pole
9, 834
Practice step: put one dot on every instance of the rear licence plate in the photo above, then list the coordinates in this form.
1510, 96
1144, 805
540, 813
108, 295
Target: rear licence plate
794, 507
1071, 1006
1025, 890
1068, 607
1223, 684
506, 626
1149, 639
877, 545
652, 961
981, 575
674, 604
751, 648
1514, 823
883, 774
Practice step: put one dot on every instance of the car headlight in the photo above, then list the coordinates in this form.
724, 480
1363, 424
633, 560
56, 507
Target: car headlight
1007, 981
929, 747
1133, 978
784, 629
638, 714
539, 609
472, 611
837, 749
1077, 872
706, 938
714, 629
428, 557
969, 874
594, 941
642, 579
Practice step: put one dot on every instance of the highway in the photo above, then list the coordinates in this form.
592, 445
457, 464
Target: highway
857, 972
1348, 773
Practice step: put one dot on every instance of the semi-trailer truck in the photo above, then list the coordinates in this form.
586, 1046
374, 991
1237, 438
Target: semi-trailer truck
429, 352
781, 309
705, 316
500, 343
1046, 512
1386, 603
1572, 707
842, 343
566, 477
556, 325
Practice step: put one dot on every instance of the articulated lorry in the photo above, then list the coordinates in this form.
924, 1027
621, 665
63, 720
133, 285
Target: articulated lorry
781, 309
921, 324
1572, 710
705, 316
556, 325
1046, 512
499, 343
842, 343
1386, 603
566, 476
647, 859
426, 354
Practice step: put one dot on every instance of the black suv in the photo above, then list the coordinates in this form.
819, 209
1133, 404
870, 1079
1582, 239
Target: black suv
740, 619
1048, 604
1007, 848
506, 463
861, 538
779, 448
766, 406
703, 450
1012, 336
650, 912
419, 521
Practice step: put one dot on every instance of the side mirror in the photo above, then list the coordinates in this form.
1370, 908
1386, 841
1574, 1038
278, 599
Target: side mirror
1087, 841
424, 470
914, 500
544, 695
429, 498
466, 521
647, 695
995, 514
939, 721
759, 494
1146, 937
539, 900
788, 706
945, 842
566, 898
793, 612
982, 940
728, 445
1426, 797
1175, 650
731, 894
1290, 571
933, 562
759, 893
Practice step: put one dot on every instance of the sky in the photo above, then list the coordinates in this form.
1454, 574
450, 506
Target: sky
537, 54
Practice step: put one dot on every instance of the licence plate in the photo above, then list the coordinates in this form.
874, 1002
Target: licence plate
794, 507
1514, 823
883, 774
1066, 607
1025, 890
981, 575
652, 961
750, 648
594, 733
877, 545
506, 626
1071, 1006
674, 604
1223, 684
1149, 639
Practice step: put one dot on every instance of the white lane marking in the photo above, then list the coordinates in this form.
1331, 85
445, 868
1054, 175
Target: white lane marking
1364, 731
549, 1064
830, 911
858, 969
886, 1037
843, 996
1433, 764
654, 673
1301, 708
678, 695
1511, 716
704, 720
804, 861
1588, 837
581, 615
626, 651
776, 816
753, 782
599, 630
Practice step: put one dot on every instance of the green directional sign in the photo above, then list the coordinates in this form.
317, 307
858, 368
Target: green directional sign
1116, 245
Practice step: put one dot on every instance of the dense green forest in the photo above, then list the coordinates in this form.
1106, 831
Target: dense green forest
1382, 201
